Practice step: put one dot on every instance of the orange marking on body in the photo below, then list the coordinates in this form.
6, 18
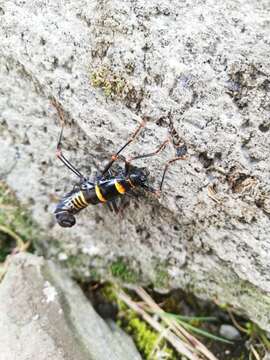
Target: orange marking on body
99, 195
119, 187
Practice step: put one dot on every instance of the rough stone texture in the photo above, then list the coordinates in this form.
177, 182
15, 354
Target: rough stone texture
44, 315
205, 64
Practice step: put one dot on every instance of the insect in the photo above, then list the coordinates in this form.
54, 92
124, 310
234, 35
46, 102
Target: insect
109, 184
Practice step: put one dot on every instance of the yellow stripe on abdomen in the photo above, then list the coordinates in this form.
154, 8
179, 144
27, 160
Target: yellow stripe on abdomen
99, 195
82, 198
119, 187
79, 201
76, 203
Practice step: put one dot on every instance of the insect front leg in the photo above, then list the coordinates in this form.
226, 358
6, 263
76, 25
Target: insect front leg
159, 149
116, 155
128, 166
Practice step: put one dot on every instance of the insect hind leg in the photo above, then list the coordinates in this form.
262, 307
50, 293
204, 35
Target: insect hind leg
116, 155
59, 153
64, 160
182, 157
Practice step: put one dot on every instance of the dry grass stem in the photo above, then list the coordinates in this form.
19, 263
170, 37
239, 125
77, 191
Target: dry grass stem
179, 330
177, 343
20, 247
213, 194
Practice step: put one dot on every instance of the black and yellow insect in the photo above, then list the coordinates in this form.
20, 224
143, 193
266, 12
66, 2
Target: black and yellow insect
108, 185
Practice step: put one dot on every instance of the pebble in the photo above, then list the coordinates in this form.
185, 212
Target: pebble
229, 332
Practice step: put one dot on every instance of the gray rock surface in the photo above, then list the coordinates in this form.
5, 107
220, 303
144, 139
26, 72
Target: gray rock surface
205, 65
44, 315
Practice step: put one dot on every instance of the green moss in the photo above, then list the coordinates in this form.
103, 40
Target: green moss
113, 85
120, 269
15, 218
161, 276
147, 340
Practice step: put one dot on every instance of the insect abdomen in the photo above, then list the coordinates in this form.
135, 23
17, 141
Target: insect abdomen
79, 201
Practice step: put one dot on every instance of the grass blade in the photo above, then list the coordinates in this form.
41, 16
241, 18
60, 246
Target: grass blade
204, 332
191, 318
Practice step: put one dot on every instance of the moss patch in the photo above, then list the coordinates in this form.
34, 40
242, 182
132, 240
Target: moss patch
150, 344
113, 85
161, 276
15, 218
147, 341
121, 270
116, 86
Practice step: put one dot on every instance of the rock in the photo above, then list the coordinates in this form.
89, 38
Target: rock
45, 315
229, 332
204, 66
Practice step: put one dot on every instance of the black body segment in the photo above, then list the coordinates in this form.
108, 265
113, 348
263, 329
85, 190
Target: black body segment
114, 187
103, 191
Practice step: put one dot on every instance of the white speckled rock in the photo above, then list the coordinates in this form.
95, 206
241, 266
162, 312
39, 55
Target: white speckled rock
204, 64
44, 315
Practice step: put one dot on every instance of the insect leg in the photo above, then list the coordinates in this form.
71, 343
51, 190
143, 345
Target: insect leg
64, 160
132, 193
121, 209
116, 155
128, 161
59, 153
115, 206
148, 188
166, 168
112, 205
159, 149
158, 192
109, 205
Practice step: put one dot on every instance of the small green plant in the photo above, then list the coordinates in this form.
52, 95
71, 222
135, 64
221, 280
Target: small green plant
258, 342
144, 319
254, 332
152, 327
121, 270
192, 323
